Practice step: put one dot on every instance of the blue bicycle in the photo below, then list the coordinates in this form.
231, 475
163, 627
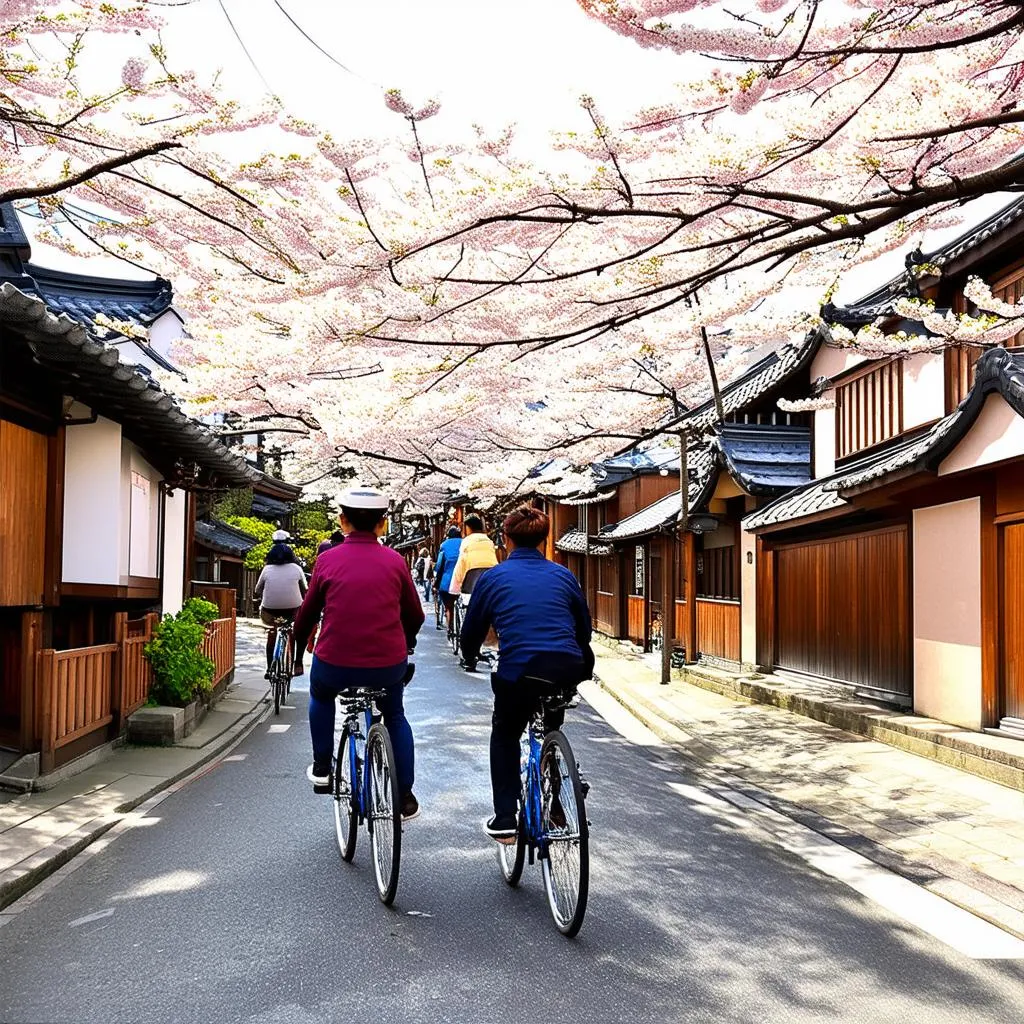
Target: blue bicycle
366, 789
553, 824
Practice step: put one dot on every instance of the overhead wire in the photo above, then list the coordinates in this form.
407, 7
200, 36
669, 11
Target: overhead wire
305, 35
245, 49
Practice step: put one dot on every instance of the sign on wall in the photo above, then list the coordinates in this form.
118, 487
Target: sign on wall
638, 571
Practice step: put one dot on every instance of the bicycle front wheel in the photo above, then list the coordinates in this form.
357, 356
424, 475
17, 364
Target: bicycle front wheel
511, 856
565, 854
385, 812
346, 788
277, 685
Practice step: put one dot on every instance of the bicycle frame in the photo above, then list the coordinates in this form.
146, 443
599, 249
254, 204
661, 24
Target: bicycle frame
355, 721
532, 798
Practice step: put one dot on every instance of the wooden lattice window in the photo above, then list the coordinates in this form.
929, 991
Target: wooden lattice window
718, 573
869, 407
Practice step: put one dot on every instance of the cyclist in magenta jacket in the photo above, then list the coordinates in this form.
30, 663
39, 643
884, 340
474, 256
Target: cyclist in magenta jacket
371, 614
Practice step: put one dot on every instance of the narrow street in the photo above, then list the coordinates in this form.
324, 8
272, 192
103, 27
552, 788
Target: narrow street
230, 903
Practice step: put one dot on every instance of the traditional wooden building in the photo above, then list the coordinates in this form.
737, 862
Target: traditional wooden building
625, 546
899, 569
97, 465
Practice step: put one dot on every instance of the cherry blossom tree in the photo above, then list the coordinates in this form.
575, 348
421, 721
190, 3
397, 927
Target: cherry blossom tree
443, 314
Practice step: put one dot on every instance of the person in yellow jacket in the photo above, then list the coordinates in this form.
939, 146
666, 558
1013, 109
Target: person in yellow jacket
476, 552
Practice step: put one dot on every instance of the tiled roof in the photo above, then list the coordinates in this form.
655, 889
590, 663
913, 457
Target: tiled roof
635, 462
574, 542
763, 458
997, 371
701, 463
807, 501
879, 303
83, 297
758, 380
92, 372
592, 498
269, 508
219, 536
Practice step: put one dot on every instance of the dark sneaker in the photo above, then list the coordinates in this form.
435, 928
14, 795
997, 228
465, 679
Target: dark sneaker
469, 666
410, 807
266, 675
320, 778
502, 827
297, 669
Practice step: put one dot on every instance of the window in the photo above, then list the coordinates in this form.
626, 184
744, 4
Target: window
717, 573
869, 407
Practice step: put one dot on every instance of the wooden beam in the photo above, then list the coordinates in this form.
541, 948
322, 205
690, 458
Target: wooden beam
991, 608
31, 641
690, 595
668, 605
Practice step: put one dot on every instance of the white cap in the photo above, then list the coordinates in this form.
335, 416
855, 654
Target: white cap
363, 497
280, 535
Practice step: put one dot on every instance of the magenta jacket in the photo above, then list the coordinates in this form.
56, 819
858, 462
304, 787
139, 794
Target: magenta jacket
371, 610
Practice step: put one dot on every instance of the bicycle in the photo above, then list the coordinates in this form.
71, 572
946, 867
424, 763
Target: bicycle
282, 663
368, 795
438, 609
455, 627
552, 826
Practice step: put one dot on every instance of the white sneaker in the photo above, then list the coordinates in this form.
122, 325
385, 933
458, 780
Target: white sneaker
319, 781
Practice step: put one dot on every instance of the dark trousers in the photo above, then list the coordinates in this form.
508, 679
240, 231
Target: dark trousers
513, 705
326, 681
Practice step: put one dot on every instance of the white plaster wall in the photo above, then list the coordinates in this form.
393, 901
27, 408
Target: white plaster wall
92, 503
947, 612
748, 598
924, 389
175, 526
164, 331
824, 442
997, 434
829, 361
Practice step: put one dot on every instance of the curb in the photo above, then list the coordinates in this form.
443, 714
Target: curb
952, 746
935, 875
19, 879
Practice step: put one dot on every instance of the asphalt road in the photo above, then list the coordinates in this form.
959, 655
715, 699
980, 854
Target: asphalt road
230, 904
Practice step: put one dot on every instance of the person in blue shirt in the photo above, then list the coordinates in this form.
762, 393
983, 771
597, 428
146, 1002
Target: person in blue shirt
543, 626
447, 556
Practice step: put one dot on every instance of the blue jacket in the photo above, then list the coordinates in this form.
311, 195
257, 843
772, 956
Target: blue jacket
535, 606
447, 556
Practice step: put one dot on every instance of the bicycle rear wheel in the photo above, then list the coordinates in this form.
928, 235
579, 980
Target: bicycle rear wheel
511, 856
453, 636
346, 786
384, 812
565, 862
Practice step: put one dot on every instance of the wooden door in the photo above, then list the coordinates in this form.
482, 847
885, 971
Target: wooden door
23, 462
843, 610
1012, 640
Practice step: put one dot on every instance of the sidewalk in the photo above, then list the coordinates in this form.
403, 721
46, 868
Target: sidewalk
959, 836
41, 831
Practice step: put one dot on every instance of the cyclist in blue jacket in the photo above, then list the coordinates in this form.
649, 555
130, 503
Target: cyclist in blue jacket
447, 556
544, 629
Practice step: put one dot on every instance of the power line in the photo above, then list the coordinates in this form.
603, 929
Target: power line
313, 42
241, 42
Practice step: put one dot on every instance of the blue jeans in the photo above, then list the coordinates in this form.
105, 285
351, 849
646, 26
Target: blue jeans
326, 681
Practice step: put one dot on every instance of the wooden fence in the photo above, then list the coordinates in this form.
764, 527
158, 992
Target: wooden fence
88, 692
219, 647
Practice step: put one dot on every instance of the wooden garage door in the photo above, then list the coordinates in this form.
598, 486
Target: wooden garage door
844, 611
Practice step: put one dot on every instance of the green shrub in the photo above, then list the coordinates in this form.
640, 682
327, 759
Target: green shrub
257, 528
181, 672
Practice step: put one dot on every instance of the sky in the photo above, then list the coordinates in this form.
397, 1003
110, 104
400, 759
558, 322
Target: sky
488, 62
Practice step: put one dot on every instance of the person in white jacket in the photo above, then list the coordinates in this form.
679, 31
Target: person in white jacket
280, 588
